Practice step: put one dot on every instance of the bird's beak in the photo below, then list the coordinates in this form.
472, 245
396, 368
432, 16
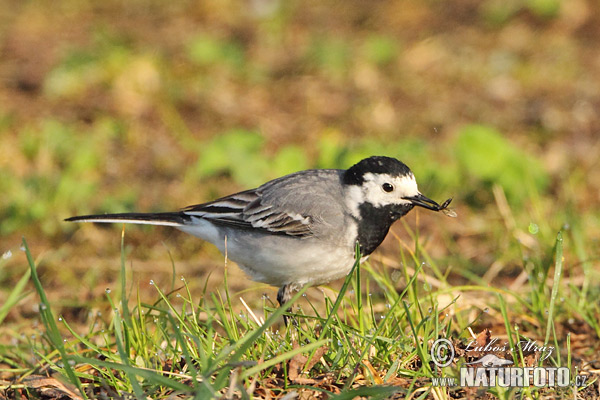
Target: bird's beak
423, 201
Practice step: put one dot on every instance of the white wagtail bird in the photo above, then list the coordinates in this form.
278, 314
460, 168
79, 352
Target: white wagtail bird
300, 229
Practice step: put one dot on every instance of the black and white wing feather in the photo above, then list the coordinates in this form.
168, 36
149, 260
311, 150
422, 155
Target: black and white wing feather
247, 210
303, 204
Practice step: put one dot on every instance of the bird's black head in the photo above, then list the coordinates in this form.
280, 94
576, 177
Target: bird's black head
355, 175
380, 190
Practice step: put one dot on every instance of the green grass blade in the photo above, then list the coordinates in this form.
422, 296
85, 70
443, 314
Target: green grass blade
282, 357
124, 354
341, 293
15, 295
148, 374
123, 280
50, 324
558, 266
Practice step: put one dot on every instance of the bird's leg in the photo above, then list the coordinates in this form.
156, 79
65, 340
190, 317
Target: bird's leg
284, 294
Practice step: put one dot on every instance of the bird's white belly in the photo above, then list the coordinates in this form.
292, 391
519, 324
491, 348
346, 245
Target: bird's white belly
278, 259
298, 263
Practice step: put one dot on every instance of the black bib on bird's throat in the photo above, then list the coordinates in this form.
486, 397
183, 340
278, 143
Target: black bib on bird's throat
375, 222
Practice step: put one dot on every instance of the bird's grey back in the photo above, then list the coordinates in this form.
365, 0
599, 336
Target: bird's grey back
317, 194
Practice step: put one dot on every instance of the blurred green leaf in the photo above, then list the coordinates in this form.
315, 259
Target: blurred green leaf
108, 62
331, 55
487, 156
6, 120
225, 150
380, 49
81, 69
498, 12
330, 146
206, 50
236, 152
289, 159
65, 178
71, 79
29, 143
544, 8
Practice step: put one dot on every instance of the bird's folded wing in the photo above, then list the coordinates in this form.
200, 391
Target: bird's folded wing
249, 210
303, 204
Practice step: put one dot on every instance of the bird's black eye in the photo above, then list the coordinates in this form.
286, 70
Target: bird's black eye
387, 187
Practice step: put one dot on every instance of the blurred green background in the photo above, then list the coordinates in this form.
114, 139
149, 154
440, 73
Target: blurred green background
150, 105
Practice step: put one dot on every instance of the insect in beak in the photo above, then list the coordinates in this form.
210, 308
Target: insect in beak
426, 202
423, 201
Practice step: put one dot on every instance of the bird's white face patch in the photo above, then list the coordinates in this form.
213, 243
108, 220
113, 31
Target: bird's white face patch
373, 190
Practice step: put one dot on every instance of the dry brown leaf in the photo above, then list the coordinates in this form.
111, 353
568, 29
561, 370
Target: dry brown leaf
300, 363
483, 337
372, 372
50, 387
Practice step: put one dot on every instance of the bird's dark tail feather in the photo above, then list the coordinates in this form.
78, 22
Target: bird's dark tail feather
168, 218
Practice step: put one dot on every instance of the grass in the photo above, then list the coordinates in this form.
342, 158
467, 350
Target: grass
356, 344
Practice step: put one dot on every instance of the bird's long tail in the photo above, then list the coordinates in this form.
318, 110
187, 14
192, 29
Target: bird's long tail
167, 218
